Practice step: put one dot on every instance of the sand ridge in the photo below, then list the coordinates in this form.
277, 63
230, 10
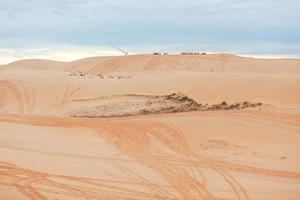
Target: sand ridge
221, 63
34, 64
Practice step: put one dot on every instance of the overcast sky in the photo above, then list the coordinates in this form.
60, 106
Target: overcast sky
72, 29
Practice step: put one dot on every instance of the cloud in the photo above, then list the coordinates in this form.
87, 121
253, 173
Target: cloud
60, 53
36, 24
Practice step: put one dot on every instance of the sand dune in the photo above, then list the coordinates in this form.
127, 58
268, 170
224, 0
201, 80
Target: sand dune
51, 93
136, 63
201, 63
146, 158
243, 154
34, 64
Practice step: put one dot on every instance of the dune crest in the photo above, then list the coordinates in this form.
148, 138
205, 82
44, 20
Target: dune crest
201, 63
34, 64
220, 63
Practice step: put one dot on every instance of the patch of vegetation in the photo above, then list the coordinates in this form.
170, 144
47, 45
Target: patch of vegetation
137, 104
182, 98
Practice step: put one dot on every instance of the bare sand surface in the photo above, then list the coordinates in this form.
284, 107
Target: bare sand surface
250, 153
34, 64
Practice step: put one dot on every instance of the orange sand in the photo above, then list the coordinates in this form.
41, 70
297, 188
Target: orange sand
240, 154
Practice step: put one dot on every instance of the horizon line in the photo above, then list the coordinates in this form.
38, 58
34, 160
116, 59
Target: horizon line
254, 56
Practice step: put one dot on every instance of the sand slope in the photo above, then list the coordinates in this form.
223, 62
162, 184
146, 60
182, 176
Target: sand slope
135, 63
34, 64
200, 63
190, 156
229, 154
51, 93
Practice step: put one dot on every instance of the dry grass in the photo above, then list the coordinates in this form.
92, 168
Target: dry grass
134, 104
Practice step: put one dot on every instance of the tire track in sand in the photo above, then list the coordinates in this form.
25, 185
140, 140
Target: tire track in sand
36, 185
151, 144
69, 92
7, 86
23, 92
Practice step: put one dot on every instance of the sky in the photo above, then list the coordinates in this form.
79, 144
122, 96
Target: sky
72, 29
